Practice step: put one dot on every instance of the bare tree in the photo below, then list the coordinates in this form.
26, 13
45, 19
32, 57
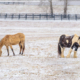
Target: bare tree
51, 7
65, 6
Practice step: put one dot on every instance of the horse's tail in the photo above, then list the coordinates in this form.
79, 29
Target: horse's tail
59, 49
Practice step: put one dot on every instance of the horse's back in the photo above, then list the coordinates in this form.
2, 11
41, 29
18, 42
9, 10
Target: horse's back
15, 36
14, 39
66, 41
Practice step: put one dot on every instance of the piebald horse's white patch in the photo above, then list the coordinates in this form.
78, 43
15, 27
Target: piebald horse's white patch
67, 41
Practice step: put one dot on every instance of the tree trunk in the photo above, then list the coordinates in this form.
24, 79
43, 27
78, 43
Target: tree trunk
51, 7
65, 7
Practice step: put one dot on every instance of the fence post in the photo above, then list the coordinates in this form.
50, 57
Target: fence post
33, 16
12, 16
40, 17
54, 16
5, 16
47, 16
68, 16
19, 16
76, 16
61, 16
26, 16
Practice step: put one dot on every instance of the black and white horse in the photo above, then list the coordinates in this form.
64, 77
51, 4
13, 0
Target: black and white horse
68, 42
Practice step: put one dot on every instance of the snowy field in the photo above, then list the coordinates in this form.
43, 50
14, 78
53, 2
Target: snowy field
40, 60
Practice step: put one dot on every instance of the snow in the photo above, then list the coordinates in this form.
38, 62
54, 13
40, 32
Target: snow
40, 60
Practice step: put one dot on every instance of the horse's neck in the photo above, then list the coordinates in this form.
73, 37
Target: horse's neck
1, 43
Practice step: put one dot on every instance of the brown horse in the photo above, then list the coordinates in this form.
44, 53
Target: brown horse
69, 42
10, 40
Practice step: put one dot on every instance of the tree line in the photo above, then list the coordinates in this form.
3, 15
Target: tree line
51, 6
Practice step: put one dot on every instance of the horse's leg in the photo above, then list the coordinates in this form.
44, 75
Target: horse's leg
76, 48
68, 56
62, 52
75, 52
75, 45
7, 50
23, 48
12, 50
20, 47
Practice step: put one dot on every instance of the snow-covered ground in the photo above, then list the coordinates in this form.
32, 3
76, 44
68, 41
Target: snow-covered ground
40, 60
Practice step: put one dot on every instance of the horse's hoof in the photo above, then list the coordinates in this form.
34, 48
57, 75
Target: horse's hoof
67, 56
62, 56
19, 53
75, 56
22, 54
13, 54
